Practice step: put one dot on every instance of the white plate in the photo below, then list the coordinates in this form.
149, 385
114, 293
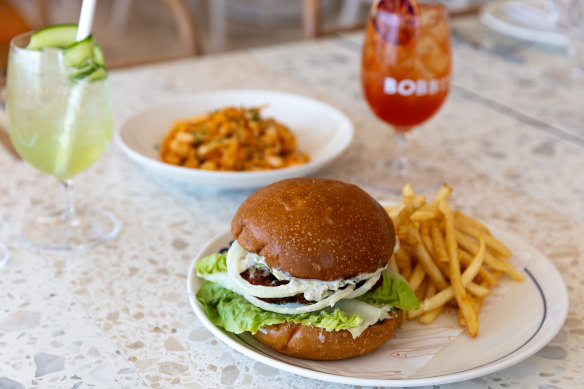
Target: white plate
522, 20
520, 324
321, 130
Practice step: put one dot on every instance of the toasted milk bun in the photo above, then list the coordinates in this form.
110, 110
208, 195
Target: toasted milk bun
301, 341
315, 228
319, 229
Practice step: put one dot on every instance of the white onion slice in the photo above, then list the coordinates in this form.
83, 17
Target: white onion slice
329, 301
397, 245
364, 288
294, 287
370, 314
234, 255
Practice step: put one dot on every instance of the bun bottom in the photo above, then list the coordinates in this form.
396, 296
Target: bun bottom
301, 341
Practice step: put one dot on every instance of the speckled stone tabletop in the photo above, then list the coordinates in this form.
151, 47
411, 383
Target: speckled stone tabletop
510, 141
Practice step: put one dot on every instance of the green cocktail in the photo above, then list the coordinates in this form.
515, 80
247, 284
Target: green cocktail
38, 103
60, 118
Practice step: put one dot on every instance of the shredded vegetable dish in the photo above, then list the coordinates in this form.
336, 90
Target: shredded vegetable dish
232, 139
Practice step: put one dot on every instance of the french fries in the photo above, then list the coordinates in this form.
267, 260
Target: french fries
447, 257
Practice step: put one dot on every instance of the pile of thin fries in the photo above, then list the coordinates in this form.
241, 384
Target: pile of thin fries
447, 257
233, 139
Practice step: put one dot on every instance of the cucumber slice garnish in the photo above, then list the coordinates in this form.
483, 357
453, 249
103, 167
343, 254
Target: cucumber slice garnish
76, 53
98, 74
98, 55
91, 70
85, 56
58, 36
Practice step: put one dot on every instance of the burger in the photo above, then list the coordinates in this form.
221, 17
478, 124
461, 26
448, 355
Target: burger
307, 272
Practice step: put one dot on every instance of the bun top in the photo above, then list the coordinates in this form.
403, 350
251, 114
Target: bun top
315, 228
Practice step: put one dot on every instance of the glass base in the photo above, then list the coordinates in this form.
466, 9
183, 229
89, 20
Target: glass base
4, 255
390, 176
87, 229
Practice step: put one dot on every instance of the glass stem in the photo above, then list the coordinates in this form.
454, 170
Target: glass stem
68, 215
402, 163
576, 52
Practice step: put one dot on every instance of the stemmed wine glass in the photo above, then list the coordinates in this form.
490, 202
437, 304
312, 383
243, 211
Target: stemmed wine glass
569, 16
405, 75
4, 255
60, 119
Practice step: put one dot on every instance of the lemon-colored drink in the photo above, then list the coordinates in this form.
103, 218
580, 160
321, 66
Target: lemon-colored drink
60, 119
59, 125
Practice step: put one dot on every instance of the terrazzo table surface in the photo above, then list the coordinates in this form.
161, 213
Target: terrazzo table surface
510, 141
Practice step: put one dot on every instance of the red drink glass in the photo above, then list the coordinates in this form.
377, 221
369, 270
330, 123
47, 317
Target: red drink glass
405, 74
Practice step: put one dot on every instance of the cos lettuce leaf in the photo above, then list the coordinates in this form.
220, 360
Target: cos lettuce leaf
394, 291
214, 263
231, 311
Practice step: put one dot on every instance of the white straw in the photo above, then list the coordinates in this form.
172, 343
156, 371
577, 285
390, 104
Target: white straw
77, 92
85, 19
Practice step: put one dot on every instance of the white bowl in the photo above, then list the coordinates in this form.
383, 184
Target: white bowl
321, 130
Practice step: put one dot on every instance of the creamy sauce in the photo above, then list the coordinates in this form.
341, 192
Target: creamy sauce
370, 314
313, 290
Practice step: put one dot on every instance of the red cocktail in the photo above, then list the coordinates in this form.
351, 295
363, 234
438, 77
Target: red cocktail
405, 69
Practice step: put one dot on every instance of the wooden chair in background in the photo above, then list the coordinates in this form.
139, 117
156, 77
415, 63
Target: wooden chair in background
347, 20
310, 18
183, 20
121, 10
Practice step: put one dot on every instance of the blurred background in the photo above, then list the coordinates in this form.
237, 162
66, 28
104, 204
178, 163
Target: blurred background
138, 31
133, 32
